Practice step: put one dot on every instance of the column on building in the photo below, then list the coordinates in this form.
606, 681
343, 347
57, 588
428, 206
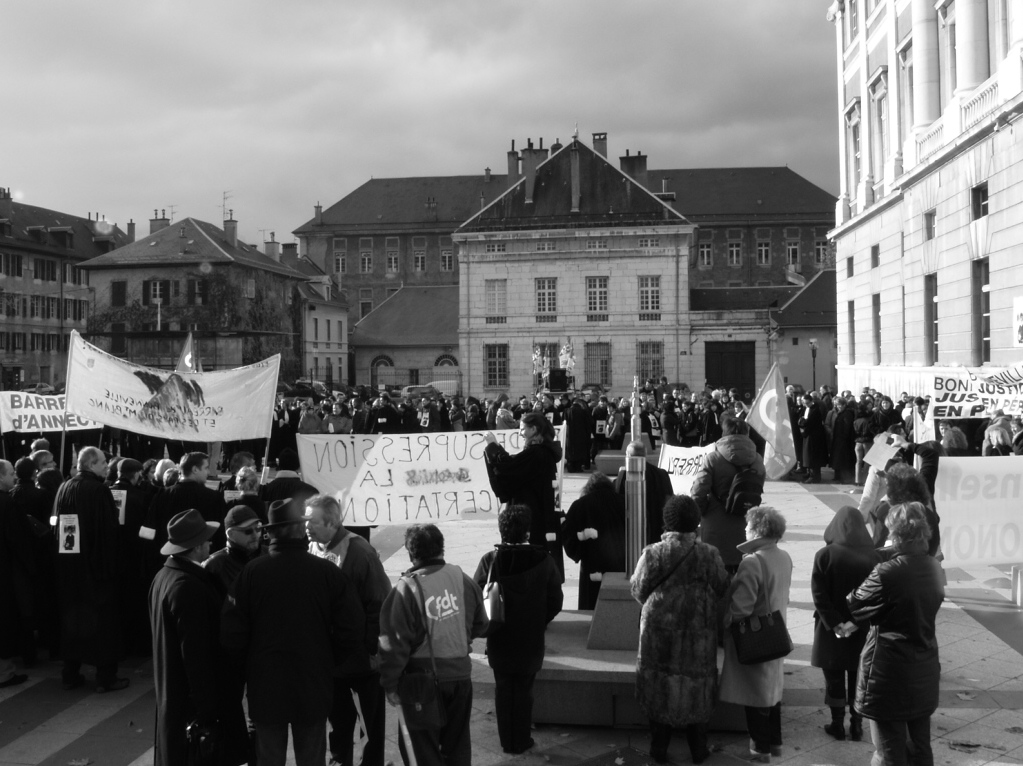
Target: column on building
842, 212
865, 190
926, 75
972, 67
895, 128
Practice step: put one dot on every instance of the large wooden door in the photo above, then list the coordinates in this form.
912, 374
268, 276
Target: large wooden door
732, 365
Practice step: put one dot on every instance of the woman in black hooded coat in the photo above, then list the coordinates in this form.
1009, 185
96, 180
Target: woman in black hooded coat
838, 568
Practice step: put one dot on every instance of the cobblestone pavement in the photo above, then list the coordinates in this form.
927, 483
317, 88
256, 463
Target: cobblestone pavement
980, 719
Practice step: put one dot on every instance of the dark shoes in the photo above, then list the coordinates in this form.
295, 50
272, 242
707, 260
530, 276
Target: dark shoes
528, 746
856, 729
836, 729
15, 680
113, 685
74, 683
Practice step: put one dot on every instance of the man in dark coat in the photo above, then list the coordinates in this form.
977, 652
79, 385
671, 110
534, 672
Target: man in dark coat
579, 423
242, 546
360, 563
385, 419
87, 562
17, 574
733, 452
293, 618
190, 669
190, 492
815, 439
133, 584
531, 588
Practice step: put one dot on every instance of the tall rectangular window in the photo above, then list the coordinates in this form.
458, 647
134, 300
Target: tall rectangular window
763, 253
118, 294
495, 361
649, 359
820, 252
929, 218
392, 261
547, 295
366, 262
316, 328
419, 260
735, 253
849, 266
852, 126
706, 255
649, 294
981, 290
850, 315
930, 319
875, 325
596, 294
875, 256
340, 252
879, 127
978, 201
496, 295
597, 363
905, 92
792, 255
447, 260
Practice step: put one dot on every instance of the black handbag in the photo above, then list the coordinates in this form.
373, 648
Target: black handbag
493, 600
761, 637
421, 703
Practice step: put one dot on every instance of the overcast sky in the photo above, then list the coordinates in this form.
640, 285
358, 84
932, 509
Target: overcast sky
123, 106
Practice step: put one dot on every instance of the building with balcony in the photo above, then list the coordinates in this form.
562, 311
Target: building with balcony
928, 222
241, 305
44, 292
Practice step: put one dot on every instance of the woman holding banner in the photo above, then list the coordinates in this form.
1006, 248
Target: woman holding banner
528, 477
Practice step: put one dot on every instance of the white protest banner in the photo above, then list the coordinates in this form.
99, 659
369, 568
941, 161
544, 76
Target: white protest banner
978, 499
963, 394
23, 411
223, 405
400, 479
682, 463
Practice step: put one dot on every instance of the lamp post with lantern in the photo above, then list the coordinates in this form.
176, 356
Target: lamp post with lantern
813, 357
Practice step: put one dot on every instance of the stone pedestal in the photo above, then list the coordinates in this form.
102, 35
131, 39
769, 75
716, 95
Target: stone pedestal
615, 622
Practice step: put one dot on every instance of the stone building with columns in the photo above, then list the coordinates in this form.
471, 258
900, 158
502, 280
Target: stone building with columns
928, 228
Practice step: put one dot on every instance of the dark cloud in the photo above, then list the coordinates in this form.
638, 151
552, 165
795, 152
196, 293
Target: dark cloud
146, 105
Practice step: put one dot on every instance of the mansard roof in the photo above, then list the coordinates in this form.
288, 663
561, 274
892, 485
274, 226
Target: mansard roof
416, 315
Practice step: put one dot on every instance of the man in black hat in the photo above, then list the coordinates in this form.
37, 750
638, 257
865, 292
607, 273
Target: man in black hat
242, 545
190, 669
292, 618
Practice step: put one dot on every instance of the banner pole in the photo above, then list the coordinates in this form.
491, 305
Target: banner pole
67, 384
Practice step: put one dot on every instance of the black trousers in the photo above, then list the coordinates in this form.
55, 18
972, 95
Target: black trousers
764, 724
840, 688
514, 703
343, 718
696, 736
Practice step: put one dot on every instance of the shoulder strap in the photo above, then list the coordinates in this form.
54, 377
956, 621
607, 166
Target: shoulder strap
426, 622
494, 573
673, 569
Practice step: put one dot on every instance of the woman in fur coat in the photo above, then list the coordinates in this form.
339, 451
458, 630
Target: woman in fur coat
679, 581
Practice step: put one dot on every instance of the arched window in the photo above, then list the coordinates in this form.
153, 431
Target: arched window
381, 370
445, 360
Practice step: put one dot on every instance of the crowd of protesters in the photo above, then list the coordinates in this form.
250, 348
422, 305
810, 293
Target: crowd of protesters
153, 574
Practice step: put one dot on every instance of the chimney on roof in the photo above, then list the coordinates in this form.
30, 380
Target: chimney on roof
318, 213
272, 248
158, 222
513, 166
556, 146
634, 167
576, 186
6, 206
531, 159
600, 144
231, 229
289, 253
486, 175
131, 230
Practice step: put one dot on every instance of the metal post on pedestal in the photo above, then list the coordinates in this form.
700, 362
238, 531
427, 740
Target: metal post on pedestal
635, 488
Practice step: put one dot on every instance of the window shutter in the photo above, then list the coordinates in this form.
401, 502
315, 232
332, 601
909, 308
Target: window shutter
145, 292
191, 292
203, 291
165, 292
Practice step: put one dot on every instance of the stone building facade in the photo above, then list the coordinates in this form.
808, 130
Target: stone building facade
927, 242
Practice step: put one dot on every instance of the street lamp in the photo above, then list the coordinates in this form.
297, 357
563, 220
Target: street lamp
813, 356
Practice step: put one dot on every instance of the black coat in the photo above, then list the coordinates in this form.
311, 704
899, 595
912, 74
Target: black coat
284, 487
531, 587
579, 423
843, 439
295, 617
838, 568
815, 438
190, 669
899, 668
604, 512
527, 477
87, 581
183, 496
18, 573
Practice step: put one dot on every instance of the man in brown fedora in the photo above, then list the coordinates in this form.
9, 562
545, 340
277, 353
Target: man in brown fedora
292, 618
190, 669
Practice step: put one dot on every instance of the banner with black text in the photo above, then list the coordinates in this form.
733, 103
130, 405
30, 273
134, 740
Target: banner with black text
27, 412
400, 479
682, 463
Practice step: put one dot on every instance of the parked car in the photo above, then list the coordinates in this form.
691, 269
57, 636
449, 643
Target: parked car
44, 389
447, 388
419, 392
